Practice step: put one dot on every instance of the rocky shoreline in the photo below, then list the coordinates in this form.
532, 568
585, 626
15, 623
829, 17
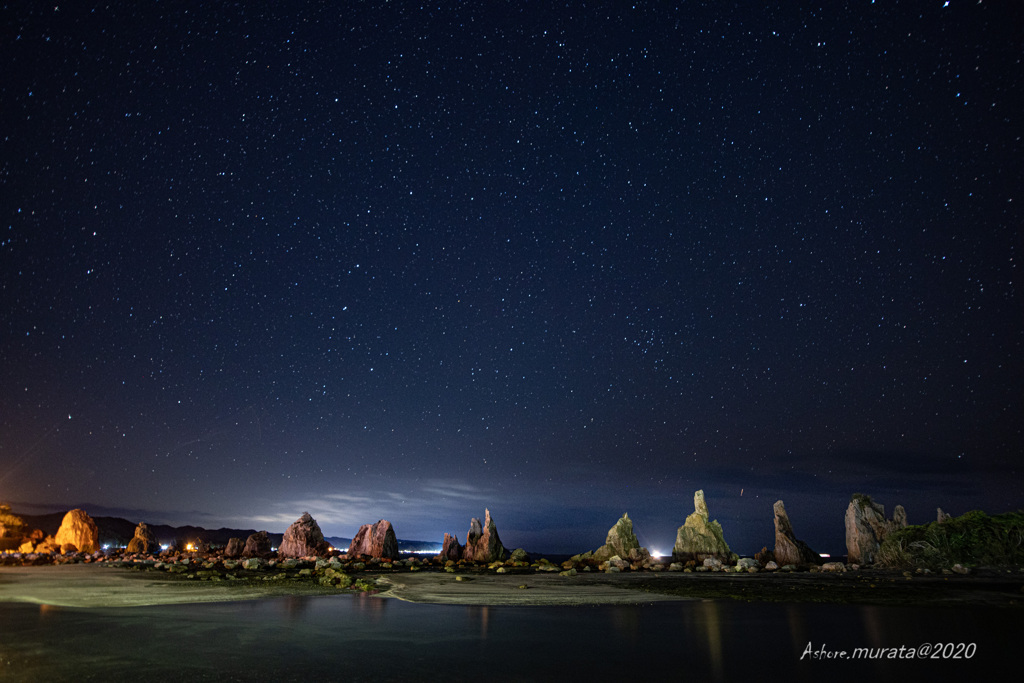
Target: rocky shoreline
890, 562
521, 582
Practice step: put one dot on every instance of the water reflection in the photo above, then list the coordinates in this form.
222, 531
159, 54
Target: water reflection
626, 622
718, 641
481, 615
48, 610
711, 614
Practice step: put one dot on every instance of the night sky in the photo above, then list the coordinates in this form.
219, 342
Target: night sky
380, 260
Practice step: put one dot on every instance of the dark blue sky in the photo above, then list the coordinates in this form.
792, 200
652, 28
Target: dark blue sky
377, 260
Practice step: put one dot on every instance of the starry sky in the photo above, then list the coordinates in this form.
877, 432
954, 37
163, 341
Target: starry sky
558, 260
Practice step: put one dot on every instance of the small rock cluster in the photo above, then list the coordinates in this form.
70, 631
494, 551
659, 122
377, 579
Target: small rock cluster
482, 543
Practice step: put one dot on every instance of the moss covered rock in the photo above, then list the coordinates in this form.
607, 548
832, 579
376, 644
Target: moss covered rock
700, 538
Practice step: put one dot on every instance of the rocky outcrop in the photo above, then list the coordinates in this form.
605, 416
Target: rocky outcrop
482, 542
234, 548
899, 518
144, 540
12, 527
451, 549
620, 541
788, 548
303, 539
257, 545
699, 538
867, 527
32, 542
49, 545
12, 530
941, 516
80, 531
377, 540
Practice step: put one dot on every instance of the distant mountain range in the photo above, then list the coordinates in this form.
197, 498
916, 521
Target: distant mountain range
118, 531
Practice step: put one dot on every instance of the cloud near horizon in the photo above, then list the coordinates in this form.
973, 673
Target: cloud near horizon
430, 508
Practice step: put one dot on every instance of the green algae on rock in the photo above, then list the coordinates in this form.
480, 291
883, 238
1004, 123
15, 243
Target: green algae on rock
699, 538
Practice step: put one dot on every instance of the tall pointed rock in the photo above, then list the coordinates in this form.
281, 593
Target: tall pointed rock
788, 548
482, 542
699, 538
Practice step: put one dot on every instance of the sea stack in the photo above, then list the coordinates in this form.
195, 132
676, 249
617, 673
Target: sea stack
376, 540
302, 539
620, 541
788, 548
234, 547
866, 528
144, 541
257, 545
482, 542
451, 549
80, 531
699, 539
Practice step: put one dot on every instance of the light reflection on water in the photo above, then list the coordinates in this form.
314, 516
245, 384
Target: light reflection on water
359, 637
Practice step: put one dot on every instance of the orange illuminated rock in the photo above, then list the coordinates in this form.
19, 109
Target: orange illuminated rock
79, 530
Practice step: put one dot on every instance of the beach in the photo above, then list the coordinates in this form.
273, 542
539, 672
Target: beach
96, 585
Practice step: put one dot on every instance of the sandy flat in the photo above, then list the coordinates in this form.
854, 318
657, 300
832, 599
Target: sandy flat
521, 589
90, 585
99, 586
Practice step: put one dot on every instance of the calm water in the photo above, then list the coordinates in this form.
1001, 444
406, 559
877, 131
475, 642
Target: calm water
362, 638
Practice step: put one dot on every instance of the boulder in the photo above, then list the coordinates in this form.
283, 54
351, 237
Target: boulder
80, 531
144, 540
620, 540
376, 540
302, 539
699, 538
519, 555
257, 545
482, 542
451, 549
234, 548
941, 516
867, 527
788, 548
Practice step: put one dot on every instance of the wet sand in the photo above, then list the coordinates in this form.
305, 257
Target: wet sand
99, 586
520, 590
